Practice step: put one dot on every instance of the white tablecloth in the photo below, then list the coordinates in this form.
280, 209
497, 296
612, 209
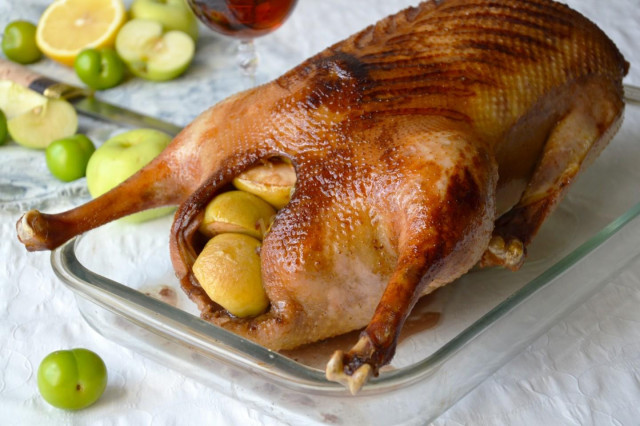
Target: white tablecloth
585, 370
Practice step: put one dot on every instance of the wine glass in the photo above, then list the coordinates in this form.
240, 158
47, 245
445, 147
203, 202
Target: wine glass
244, 20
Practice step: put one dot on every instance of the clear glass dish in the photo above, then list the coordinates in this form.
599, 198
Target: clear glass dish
126, 290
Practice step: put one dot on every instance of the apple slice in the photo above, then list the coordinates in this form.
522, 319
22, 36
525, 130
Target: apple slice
272, 181
16, 99
153, 54
33, 120
54, 120
237, 211
229, 271
172, 14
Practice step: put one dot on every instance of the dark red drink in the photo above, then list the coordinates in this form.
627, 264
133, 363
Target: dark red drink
245, 19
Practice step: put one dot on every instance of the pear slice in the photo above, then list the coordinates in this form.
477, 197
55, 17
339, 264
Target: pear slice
272, 181
228, 269
237, 211
153, 54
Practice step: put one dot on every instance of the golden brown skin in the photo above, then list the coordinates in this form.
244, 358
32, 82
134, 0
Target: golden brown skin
441, 137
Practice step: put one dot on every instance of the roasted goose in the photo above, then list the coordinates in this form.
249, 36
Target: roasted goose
437, 139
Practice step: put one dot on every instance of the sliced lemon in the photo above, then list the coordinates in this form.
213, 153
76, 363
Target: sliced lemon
68, 26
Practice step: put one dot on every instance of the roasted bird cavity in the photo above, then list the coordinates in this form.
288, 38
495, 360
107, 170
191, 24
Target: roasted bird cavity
437, 139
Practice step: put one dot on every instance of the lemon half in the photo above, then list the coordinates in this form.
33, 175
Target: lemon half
68, 26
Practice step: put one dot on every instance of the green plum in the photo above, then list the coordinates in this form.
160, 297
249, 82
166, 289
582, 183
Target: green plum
72, 379
19, 42
99, 68
4, 133
67, 158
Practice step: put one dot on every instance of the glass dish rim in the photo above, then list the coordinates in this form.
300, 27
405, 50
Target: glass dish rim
214, 341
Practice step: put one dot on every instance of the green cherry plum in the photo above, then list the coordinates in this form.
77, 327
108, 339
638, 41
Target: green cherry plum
99, 68
67, 158
4, 133
19, 42
72, 379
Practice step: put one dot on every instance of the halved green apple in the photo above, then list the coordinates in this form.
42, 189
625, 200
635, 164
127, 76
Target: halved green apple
151, 53
172, 14
33, 120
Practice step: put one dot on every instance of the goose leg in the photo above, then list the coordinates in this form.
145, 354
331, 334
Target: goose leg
573, 144
153, 186
440, 241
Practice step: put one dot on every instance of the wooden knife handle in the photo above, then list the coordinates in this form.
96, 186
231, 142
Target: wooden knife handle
17, 73
39, 83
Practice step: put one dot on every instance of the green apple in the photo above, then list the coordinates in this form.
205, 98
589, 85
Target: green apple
229, 271
153, 54
34, 120
72, 379
172, 14
122, 156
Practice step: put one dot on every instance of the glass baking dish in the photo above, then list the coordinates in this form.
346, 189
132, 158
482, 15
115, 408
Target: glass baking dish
126, 290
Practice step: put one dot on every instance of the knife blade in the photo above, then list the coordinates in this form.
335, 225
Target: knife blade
82, 99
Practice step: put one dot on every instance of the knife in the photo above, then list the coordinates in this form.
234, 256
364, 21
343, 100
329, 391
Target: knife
82, 99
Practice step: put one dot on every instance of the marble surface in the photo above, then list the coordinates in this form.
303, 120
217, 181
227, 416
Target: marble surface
585, 370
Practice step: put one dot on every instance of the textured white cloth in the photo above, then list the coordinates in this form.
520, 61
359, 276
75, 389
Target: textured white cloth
585, 370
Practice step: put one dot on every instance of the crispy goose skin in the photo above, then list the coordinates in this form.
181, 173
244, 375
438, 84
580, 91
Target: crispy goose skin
439, 138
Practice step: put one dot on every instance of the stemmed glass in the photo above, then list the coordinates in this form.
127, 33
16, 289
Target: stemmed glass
244, 20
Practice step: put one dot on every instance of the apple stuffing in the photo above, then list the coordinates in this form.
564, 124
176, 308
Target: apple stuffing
228, 268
